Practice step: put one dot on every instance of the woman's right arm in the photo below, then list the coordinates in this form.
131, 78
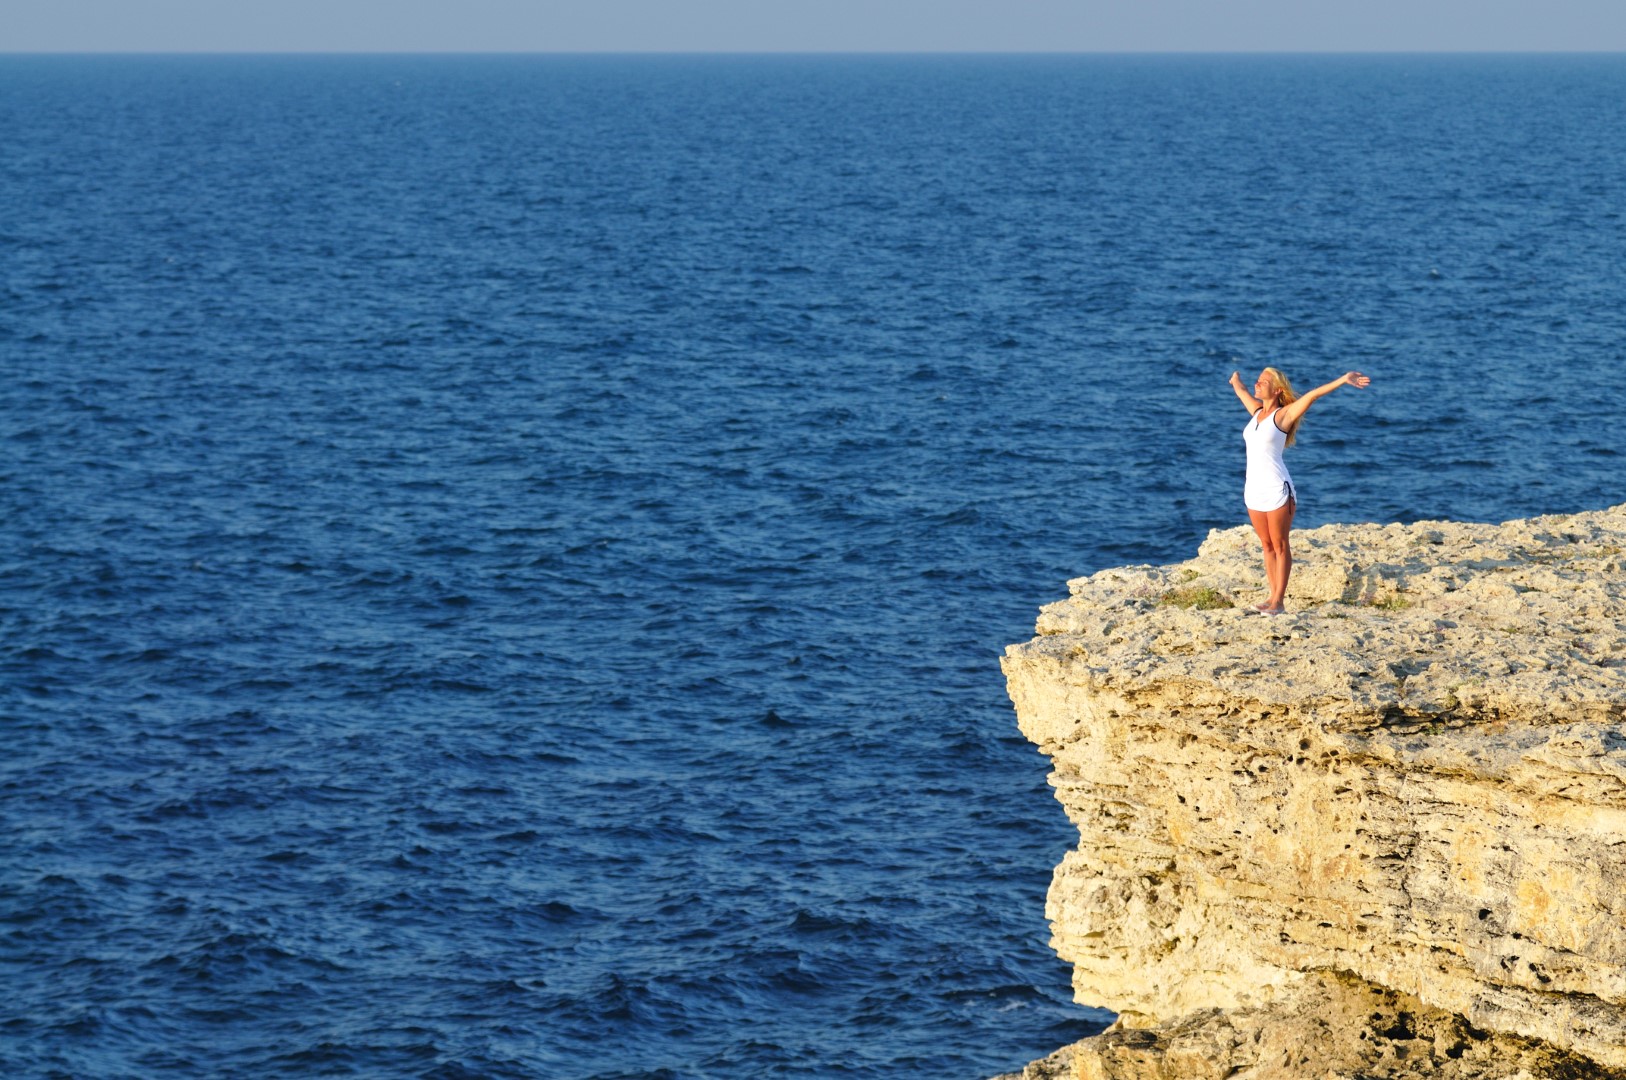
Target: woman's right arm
1249, 402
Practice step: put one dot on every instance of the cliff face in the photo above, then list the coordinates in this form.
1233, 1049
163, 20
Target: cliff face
1382, 835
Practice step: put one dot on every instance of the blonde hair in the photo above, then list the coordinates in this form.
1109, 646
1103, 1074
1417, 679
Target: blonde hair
1284, 397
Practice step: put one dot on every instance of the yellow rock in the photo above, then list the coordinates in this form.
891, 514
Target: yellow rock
1412, 787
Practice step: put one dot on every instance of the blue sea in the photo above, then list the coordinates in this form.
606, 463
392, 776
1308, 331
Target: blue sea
505, 558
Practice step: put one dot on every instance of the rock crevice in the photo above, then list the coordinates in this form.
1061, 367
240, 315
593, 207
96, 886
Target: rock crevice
1413, 785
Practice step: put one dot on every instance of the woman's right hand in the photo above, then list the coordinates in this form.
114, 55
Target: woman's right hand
1236, 379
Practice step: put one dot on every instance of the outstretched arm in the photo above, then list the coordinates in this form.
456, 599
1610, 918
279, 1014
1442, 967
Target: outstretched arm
1290, 415
1249, 402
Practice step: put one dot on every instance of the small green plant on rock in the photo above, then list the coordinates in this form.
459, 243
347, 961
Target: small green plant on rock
1392, 602
1201, 597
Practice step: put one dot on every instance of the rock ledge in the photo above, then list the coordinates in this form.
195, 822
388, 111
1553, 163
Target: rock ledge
1405, 798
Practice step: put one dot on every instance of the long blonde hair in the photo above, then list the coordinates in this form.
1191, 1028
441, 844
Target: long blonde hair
1284, 397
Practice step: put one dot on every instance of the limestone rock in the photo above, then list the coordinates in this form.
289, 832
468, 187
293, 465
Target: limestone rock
1415, 782
1328, 1027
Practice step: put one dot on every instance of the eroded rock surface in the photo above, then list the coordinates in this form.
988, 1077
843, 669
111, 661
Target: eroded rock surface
1327, 1026
1412, 785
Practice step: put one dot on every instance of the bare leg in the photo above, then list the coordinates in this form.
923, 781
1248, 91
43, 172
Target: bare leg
1273, 527
1261, 525
1278, 525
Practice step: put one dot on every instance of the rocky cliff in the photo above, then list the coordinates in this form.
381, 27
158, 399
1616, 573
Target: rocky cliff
1381, 835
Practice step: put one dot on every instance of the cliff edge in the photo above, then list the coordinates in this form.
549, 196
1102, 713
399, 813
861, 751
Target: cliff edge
1383, 835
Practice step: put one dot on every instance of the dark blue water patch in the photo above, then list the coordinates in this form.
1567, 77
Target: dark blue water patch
508, 556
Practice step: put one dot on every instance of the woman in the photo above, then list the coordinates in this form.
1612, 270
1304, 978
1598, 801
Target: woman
1268, 491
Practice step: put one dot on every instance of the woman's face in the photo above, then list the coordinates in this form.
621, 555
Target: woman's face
1264, 388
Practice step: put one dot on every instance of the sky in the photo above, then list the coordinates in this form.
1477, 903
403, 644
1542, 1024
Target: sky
812, 25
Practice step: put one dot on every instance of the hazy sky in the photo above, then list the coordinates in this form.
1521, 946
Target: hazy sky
810, 25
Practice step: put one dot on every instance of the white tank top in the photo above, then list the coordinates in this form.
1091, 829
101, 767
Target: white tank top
1268, 486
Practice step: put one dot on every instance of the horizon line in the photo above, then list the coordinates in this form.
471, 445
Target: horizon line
810, 52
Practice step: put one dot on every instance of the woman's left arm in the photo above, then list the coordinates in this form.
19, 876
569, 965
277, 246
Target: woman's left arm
1290, 415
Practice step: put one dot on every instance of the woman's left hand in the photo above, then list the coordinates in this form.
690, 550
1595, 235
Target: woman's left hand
1357, 380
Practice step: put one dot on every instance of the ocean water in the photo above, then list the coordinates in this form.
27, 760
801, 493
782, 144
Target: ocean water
506, 558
